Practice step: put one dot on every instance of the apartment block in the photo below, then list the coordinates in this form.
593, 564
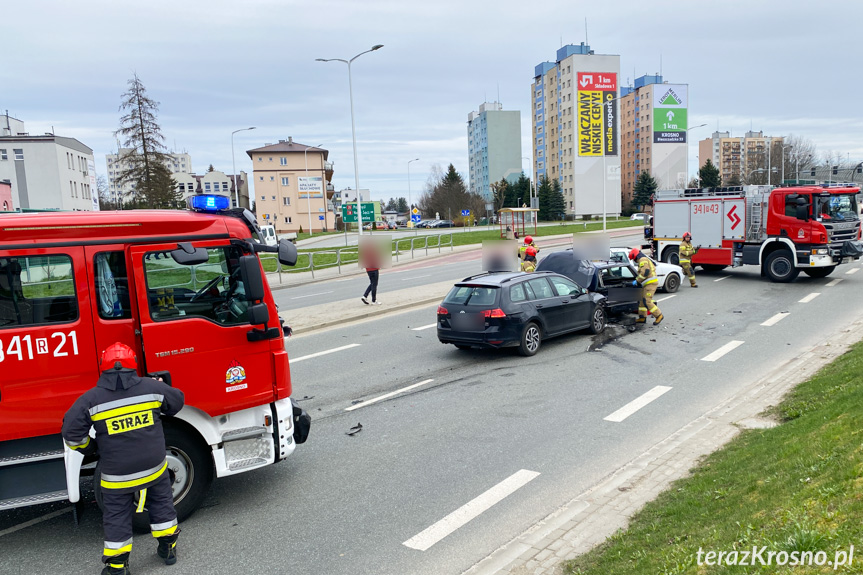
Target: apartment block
575, 120
293, 186
177, 163
215, 182
653, 119
47, 172
738, 157
494, 147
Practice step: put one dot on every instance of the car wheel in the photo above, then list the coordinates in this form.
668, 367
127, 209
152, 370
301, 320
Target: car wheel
779, 267
531, 339
598, 320
461, 346
672, 283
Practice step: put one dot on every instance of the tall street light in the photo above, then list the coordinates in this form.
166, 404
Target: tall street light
687, 151
234, 165
410, 202
353, 125
309, 192
533, 194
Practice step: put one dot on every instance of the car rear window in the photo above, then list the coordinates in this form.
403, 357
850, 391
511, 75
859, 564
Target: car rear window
472, 295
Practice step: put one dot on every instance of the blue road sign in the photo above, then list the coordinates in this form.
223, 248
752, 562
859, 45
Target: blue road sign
465, 212
415, 218
320, 217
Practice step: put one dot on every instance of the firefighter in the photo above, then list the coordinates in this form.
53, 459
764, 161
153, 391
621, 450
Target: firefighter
125, 411
528, 243
686, 251
529, 262
649, 282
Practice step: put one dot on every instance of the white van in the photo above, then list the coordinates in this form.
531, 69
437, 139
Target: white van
268, 235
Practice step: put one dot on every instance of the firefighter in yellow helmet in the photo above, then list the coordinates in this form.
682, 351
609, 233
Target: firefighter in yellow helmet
649, 282
686, 251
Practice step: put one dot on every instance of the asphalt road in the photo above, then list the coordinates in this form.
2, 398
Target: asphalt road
513, 437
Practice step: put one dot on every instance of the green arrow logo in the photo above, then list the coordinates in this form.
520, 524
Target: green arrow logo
670, 99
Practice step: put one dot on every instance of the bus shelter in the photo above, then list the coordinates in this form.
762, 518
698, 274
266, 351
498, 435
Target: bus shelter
516, 222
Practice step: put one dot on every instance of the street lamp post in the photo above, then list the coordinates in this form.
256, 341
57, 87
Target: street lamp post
353, 126
783, 161
410, 200
534, 216
234, 165
308, 192
687, 151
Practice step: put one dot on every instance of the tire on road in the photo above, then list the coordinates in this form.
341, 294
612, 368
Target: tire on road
819, 272
671, 255
598, 319
779, 267
531, 339
672, 283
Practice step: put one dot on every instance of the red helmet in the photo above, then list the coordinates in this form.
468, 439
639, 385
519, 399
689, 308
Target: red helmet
531, 251
118, 356
633, 253
528, 240
687, 236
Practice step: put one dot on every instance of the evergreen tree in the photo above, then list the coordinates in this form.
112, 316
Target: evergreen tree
709, 175
392, 205
147, 170
402, 206
211, 168
544, 196
644, 189
556, 204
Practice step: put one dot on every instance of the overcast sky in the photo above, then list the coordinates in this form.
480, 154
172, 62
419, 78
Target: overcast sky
781, 66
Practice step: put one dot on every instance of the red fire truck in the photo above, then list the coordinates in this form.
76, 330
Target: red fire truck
784, 230
186, 290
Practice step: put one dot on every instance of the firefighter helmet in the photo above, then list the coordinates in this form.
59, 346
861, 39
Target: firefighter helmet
531, 251
687, 236
633, 253
528, 240
118, 356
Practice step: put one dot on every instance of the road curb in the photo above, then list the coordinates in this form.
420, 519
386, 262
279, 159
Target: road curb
373, 312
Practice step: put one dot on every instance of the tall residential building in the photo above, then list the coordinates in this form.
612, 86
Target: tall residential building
177, 163
494, 147
575, 128
46, 172
738, 157
653, 118
214, 182
292, 186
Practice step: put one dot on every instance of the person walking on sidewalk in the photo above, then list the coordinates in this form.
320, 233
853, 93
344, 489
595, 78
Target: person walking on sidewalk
649, 282
370, 259
685, 252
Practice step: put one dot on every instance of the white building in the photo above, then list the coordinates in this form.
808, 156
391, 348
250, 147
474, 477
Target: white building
494, 147
46, 172
214, 182
179, 163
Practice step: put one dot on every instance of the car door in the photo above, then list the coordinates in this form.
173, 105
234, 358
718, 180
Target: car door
548, 305
576, 306
617, 280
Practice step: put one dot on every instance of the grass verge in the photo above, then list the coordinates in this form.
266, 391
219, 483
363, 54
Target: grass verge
793, 488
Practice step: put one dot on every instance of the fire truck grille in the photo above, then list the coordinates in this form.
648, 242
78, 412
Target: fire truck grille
840, 233
248, 453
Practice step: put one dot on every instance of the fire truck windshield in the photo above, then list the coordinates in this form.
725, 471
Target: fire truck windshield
838, 207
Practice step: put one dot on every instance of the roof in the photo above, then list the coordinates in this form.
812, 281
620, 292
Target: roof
522, 210
495, 278
287, 146
49, 138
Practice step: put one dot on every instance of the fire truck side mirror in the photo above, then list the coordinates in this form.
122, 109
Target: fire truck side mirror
259, 314
802, 209
186, 255
287, 253
253, 280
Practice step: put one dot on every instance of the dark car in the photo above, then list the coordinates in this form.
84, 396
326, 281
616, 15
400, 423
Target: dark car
442, 224
611, 279
517, 309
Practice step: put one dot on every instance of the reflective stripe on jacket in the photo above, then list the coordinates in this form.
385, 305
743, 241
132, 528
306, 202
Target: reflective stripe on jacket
686, 251
646, 272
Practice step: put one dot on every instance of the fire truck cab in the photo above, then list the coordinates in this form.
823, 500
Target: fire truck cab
784, 230
187, 291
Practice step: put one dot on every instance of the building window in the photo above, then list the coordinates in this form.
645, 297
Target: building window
19, 153
3, 155
274, 198
207, 187
271, 158
287, 201
262, 178
287, 220
272, 178
285, 181
260, 158
224, 186
283, 161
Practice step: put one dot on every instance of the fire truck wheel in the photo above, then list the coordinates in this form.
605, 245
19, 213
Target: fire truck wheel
671, 255
779, 267
820, 272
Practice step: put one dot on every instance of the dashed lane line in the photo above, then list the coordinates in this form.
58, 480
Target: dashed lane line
665, 298
810, 297
26, 524
835, 282
415, 277
730, 346
776, 318
312, 294
852, 271
637, 404
471, 510
722, 278
429, 326
388, 395
326, 352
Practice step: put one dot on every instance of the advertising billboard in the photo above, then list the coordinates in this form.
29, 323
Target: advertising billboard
670, 106
597, 123
310, 187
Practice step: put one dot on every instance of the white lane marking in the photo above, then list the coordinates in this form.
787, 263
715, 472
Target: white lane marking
852, 271
320, 353
835, 282
731, 345
312, 294
388, 395
776, 318
810, 297
665, 298
637, 404
26, 524
345, 280
415, 277
470, 510
722, 278
429, 326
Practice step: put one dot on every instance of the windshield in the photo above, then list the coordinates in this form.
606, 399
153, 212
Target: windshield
839, 207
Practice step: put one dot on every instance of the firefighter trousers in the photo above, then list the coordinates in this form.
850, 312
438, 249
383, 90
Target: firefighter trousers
117, 512
647, 302
687, 269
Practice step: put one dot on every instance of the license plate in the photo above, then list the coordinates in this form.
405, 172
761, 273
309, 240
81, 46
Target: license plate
467, 321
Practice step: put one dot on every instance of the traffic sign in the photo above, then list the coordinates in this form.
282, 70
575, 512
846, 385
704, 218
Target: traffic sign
465, 212
415, 212
320, 217
415, 218
349, 212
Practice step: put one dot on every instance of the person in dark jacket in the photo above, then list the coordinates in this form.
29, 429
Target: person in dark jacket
125, 411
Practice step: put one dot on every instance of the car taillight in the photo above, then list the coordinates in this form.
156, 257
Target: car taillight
441, 310
493, 313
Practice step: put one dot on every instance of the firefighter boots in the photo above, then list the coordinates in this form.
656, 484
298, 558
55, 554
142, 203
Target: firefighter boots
117, 566
167, 549
658, 320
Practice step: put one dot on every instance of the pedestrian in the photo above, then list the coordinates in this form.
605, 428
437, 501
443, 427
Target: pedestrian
648, 281
125, 411
685, 252
371, 261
